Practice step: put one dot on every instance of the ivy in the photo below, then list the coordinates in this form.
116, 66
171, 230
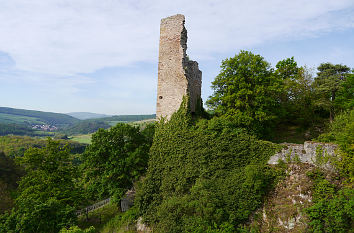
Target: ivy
203, 175
333, 208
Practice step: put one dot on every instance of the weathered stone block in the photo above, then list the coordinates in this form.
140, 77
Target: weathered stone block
315, 153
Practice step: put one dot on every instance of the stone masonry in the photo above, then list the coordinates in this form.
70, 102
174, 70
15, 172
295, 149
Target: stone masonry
314, 153
177, 75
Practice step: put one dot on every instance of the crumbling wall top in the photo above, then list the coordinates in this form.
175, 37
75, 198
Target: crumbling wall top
177, 75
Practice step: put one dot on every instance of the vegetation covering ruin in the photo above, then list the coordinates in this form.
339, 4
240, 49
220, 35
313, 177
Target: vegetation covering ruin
204, 176
196, 173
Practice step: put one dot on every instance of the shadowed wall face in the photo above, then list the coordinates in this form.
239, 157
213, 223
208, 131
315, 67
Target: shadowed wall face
177, 75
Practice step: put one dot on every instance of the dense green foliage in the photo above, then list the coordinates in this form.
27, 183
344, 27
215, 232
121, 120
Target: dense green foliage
341, 132
327, 83
296, 96
333, 204
9, 171
48, 194
126, 220
76, 229
333, 207
345, 94
14, 146
10, 174
46, 117
203, 177
115, 159
247, 91
261, 99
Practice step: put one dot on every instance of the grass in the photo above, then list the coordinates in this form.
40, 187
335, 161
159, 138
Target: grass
82, 138
99, 218
122, 222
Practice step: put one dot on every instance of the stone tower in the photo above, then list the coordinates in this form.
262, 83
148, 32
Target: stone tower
177, 75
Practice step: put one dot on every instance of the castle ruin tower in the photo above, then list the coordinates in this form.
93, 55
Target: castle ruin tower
177, 75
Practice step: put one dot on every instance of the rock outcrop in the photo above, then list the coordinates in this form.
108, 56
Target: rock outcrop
314, 153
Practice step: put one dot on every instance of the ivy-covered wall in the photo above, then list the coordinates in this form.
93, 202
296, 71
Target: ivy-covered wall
204, 175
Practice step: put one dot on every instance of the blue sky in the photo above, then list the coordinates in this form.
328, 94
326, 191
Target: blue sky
101, 55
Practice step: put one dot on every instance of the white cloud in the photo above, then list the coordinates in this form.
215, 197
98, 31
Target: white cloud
67, 37
101, 55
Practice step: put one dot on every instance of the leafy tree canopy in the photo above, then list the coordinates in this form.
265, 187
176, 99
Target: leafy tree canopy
48, 194
247, 91
345, 95
296, 98
329, 79
115, 158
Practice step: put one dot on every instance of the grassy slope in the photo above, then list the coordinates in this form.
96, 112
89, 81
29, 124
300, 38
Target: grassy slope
82, 138
99, 218
17, 119
19, 116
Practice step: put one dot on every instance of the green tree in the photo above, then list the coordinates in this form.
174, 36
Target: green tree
115, 158
288, 71
296, 98
247, 91
48, 193
327, 83
10, 174
345, 95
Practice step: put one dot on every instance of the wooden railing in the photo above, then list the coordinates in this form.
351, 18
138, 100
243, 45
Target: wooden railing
93, 207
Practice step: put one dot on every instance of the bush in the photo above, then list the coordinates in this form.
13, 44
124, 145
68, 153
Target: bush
203, 177
76, 229
332, 209
341, 132
48, 195
115, 159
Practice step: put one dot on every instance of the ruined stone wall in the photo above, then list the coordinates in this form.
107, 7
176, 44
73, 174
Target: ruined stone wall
314, 153
177, 75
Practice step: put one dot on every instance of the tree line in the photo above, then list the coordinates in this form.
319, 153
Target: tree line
259, 97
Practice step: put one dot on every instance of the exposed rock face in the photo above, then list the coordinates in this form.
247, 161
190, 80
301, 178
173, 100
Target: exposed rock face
314, 153
177, 75
141, 227
283, 209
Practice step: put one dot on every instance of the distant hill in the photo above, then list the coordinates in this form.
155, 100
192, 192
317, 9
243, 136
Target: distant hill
20, 121
87, 115
31, 117
92, 125
127, 118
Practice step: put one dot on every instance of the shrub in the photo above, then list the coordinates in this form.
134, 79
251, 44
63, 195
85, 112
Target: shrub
203, 176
